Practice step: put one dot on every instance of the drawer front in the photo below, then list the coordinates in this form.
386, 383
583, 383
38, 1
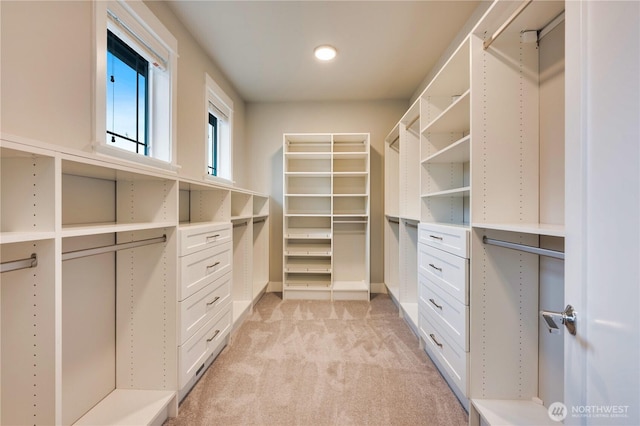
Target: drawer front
202, 268
194, 238
452, 239
195, 351
451, 314
451, 357
202, 306
449, 272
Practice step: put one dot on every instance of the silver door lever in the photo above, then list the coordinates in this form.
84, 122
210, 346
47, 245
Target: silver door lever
568, 317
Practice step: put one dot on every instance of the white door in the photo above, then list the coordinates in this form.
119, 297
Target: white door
602, 362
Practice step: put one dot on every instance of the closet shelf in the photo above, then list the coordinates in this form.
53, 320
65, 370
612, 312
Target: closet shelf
77, 230
456, 192
307, 174
129, 407
525, 228
308, 155
457, 152
454, 119
504, 411
20, 237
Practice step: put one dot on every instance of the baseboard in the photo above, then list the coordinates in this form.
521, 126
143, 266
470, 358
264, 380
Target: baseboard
378, 288
276, 287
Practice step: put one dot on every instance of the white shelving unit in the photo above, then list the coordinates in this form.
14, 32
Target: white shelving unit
128, 342
326, 216
491, 163
91, 327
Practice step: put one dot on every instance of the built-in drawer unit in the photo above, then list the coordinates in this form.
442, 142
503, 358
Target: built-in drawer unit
202, 306
441, 307
449, 272
202, 268
452, 239
207, 340
196, 237
453, 359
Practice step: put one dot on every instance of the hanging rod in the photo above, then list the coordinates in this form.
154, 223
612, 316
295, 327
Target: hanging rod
236, 225
260, 220
410, 225
504, 26
522, 247
394, 221
114, 247
14, 265
411, 122
393, 142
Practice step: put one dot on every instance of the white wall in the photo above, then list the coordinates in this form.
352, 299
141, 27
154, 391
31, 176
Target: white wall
266, 122
46, 85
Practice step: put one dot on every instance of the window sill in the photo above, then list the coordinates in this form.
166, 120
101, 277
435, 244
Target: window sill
135, 159
219, 180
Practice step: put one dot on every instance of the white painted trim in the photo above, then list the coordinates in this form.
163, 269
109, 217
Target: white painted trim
216, 96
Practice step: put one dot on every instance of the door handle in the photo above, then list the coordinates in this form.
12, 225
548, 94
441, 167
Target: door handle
568, 317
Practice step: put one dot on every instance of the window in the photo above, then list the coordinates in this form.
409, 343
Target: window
127, 98
219, 108
212, 167
135, 91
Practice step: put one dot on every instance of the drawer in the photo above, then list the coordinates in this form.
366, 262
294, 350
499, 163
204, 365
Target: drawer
451, 314
195, 351
200, 307
452, 239
194, 238
199, 269
454, 360
449, 272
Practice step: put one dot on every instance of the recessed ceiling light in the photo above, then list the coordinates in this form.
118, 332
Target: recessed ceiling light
325, 52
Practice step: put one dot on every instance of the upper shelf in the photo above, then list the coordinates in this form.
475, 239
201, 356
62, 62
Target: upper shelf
454, 119
525, 228
457, 152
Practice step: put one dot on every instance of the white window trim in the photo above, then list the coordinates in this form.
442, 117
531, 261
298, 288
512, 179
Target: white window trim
140, 13
215, 95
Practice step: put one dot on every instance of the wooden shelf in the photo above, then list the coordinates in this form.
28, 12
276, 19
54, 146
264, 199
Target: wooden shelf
457, 152
456, 192
129, 407
525, 228
20, 237
308, 155
454, 119
78, 230
310, 233
307, 174
512, 412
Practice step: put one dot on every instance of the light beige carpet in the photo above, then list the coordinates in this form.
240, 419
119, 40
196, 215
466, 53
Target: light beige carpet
322, 363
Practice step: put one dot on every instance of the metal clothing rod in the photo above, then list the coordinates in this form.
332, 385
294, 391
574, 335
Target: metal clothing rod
393, 142
260, 220
114, 247
411, 122
522, 247
394, 221
236, 225
410, 225
14, 265
504, 26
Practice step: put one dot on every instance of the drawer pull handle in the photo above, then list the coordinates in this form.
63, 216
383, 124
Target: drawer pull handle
213, 266
435, 267
212, 237
214, 336
213, 301
435, 237
434, 340
435, 304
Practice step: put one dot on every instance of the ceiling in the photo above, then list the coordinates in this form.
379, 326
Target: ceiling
265, 48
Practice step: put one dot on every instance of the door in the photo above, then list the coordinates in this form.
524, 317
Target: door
602, 362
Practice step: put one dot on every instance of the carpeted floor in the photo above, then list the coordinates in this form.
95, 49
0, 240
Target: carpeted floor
322, 363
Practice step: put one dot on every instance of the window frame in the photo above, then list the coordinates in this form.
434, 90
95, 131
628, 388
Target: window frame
153, 37
216, 97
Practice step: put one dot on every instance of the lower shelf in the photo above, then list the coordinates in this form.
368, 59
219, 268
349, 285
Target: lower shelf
132, 407
508, 412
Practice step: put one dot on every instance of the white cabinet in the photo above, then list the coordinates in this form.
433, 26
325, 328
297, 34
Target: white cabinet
94, 255
326, 216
